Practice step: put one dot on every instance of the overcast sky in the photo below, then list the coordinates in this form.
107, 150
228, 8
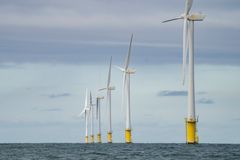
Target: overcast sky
51, 50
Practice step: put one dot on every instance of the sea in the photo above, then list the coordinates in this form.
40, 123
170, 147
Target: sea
69, 151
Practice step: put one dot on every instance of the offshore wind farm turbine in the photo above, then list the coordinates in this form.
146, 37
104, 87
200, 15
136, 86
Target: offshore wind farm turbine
85, 111
109, 89
126, 93
188, 47
98, 116
92, 119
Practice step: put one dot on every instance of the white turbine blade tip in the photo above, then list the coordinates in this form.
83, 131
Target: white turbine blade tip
120, 68
127, 60
79, 115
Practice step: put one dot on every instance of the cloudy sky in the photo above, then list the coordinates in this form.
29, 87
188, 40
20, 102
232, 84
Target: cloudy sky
51, 50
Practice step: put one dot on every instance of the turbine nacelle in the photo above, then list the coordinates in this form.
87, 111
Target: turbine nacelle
111, 88
102, 97
130, 71
196, 17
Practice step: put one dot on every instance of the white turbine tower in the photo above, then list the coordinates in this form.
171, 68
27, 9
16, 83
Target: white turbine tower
85, 111
98, 116
92, 119
126, 93
188, 47
109, 89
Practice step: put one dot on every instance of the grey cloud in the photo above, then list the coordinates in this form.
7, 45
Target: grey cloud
90, 4
52, 110
59, 31
47, 109
19, 124
236, 119
60, 13
97, 53
172, 93
201, 93
205, 101
59, 95
7, 66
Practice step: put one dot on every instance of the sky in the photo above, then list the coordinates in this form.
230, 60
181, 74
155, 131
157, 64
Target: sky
52, 50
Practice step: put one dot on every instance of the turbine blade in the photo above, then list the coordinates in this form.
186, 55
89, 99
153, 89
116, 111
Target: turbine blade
129, 53
102, 89
120, 68
109, 73
185, 48
86, 98
97, 108
81, 113
174, 19
188, 6
86, 104
90, 97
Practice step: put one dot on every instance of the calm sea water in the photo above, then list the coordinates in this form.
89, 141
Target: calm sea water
119, 151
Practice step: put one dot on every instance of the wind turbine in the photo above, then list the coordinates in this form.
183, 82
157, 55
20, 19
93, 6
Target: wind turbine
92, 119
188, 47
85, 111
126, 93
109, 89
98, 112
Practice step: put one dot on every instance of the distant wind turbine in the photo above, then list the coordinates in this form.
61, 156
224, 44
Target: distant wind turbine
126, 93
188, 47
92, 119
98, 116
109, 89
85, 111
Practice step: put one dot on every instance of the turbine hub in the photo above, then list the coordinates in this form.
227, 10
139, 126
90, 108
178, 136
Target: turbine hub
130, 71
111, 88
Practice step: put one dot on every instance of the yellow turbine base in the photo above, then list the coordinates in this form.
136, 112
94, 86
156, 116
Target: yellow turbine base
109, 137
128, 136
92, 138
99, 138
86, 139
191, 131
